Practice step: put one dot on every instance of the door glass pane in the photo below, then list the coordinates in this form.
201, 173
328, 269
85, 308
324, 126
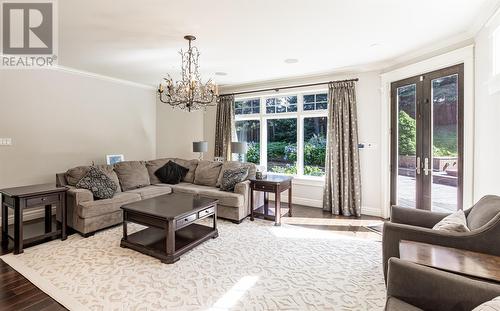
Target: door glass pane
445, 144
249, 131
314, 146
282, 145
407, 138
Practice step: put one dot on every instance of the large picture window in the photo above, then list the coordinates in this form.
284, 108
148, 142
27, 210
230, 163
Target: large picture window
285, 133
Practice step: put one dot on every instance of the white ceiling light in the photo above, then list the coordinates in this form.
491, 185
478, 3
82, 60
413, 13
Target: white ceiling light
291, 60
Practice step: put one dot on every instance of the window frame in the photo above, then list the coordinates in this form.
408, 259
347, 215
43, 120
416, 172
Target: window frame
299, 115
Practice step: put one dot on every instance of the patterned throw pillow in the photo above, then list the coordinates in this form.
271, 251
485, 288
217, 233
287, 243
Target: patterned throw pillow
171, 173
101, 186
455, 222
233, 176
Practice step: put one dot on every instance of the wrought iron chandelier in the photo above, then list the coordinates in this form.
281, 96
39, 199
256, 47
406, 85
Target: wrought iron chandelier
190, 92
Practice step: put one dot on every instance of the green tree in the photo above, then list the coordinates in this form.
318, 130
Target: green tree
407, 134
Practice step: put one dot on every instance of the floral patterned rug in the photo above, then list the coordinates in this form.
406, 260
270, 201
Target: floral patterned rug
250, 266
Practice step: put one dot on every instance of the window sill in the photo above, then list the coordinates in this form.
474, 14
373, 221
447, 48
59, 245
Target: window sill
494, 84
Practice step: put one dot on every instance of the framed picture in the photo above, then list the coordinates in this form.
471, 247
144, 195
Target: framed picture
114, 158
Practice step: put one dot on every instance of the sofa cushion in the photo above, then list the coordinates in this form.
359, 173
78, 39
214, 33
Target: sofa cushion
207, 173
132, 174
101, 186
171, 173
153, 166
455, 222
483, 211
490, 305
232, 177
151, 191
225, 198
106, 206
75, 174
191, 165
252, 169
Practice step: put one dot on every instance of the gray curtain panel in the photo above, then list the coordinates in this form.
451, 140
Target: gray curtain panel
342, 194
224, 126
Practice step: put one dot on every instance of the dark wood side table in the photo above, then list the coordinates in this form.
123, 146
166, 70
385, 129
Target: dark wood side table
454, 260
22, 198
271, 184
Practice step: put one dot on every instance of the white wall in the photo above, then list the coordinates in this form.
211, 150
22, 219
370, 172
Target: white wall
176, 131
487, 116
59, 119
309, 192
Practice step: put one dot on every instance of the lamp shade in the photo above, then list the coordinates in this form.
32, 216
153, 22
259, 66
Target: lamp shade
200, 146
239, 147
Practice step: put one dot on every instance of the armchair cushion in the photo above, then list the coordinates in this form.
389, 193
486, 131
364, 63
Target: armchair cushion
483, 211
415, 217
455, 222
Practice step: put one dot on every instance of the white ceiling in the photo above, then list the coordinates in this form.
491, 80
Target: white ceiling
249, 40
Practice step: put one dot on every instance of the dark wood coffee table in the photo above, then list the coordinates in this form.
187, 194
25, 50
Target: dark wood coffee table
172, 225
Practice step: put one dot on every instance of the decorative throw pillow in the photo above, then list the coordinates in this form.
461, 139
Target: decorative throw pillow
492, 305
101, 186
455, 222
233, 176
171, 173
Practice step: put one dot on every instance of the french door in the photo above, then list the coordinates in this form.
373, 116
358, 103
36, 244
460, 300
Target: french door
427, 141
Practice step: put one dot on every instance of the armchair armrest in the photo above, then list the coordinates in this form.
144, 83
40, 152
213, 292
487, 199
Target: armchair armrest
415, 217
432, 289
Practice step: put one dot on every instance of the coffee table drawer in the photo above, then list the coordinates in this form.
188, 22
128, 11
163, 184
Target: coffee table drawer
43, 200
185, 221
206, 212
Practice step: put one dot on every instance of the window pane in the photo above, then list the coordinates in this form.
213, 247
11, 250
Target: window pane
292, 108
308, 98
316, 101
270, 102
247, 106
314, 146
270, 110
321, 97
282, 145
249, 131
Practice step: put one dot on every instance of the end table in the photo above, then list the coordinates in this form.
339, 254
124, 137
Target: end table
21, 198
271, 184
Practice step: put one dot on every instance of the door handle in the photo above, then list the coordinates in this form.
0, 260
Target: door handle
426, 166
417, 168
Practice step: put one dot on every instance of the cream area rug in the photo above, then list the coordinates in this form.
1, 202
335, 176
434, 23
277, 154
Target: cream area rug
250, 266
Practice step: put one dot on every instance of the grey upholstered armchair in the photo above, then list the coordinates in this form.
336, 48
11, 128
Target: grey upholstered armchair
483, 219
412, 287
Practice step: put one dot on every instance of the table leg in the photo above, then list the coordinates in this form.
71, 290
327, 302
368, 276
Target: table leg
5, 224
48, 218
251, 204
290, 200
64, 216
266, 204
18, 226
170, 241
277, 202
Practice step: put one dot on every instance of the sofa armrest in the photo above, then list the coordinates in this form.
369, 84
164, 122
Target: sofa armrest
242, 187
432, 289
415, 217
77, 195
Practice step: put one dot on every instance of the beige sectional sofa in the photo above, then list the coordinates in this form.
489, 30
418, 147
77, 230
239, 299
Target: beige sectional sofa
137, 182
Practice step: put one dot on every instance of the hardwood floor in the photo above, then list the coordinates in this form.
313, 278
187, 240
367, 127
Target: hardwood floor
17, 293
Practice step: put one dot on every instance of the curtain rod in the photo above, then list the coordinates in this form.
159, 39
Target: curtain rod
277, 89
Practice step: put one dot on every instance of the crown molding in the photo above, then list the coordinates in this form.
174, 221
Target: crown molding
100, 77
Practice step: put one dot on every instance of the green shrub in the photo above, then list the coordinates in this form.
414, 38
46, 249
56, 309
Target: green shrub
288, 169
407, 134
313, 170
253, 153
